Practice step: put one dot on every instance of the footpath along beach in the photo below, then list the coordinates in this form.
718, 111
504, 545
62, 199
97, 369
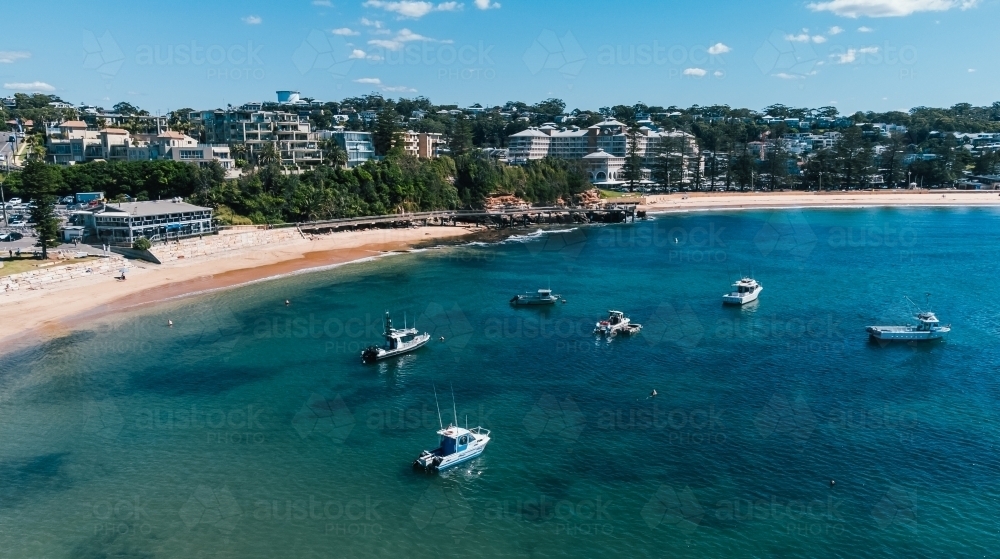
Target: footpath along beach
54, 308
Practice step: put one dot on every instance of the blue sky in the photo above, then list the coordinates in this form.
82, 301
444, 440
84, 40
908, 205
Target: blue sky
854, 54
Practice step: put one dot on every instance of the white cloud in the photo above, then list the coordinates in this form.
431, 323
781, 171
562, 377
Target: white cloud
698, 72
888, 8
369, 81
357, 53
371, 23
324, 3
399, 89
972, 70
719, 73
851, 55
402, 37
12, 56
785, 76
836, 30
253, 20
28, 86
487, 5
846, 58
412, 8
718, 48
345, 32
864, 29
805, 37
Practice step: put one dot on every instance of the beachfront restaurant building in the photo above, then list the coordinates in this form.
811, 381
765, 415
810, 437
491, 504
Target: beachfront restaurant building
158, 220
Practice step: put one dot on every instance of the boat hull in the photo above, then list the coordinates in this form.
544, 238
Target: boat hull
369, 356
533, 303
434, 462
741, 299
893, 335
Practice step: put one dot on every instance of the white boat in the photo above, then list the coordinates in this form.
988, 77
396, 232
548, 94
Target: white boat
543, 297
616, 323
397, 342
458, 445
928, 327
744, 291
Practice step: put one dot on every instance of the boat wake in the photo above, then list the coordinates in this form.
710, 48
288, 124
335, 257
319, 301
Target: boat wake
536, 235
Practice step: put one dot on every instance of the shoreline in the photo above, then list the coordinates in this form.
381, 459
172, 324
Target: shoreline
58, 309
61, 308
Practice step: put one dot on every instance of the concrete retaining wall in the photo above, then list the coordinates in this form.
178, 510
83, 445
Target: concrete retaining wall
224, 242
62, 272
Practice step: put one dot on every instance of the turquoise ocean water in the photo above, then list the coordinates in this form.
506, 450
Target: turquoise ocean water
251, 429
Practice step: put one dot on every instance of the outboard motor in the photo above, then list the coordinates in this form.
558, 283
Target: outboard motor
370, 354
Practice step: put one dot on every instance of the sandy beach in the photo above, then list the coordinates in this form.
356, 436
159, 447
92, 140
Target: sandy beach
697, 201
32, 315
54, 310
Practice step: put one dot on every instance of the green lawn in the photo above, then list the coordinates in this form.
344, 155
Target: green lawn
27, 264
605, 194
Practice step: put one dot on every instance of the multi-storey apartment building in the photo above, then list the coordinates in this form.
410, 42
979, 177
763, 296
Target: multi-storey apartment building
423, 145
290, 133
609, 138
357, 145
73, 142
180, 147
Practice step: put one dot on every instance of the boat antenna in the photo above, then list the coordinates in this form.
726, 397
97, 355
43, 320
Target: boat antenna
912, 303
440, 423
454, 409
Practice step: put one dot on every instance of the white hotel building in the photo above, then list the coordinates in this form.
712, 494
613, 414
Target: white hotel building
604, 146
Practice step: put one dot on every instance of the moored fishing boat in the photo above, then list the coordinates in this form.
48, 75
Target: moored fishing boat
397, 342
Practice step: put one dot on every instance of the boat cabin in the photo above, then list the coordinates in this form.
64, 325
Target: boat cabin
615, 317
455, 439
745, 286
928, 321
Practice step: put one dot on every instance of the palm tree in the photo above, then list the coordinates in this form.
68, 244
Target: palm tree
239, 153
268, 155
333, 154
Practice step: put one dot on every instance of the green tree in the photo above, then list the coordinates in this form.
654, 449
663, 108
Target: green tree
632, 170
460, 141
40, 182
386, 132
333, 154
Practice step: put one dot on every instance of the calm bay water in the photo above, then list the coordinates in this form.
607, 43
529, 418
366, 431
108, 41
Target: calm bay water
251, 429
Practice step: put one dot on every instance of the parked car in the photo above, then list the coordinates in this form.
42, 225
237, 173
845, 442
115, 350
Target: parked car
14, 201
10, 237
68, 199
